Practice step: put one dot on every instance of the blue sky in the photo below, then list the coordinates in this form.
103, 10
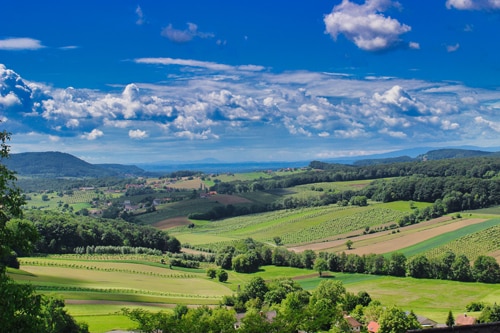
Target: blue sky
144, 81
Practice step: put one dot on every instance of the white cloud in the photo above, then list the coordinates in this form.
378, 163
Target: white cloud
473, 4
448, 125
17, 44
394, 134
9, 100
491, 124
184, 36
94, 134
140, 16
452, 48
300, 108
197, 63
414, 45
365, 25
137, 134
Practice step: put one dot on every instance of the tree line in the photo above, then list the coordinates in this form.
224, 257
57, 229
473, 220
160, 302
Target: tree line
64, 233
247, 256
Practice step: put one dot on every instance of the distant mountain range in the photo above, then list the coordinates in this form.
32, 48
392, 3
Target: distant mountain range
58, 165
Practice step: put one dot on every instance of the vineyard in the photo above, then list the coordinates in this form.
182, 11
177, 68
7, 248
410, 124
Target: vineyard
292, 226
483, 242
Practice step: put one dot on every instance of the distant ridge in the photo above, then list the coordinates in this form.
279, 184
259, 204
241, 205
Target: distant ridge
57, 164
431, 155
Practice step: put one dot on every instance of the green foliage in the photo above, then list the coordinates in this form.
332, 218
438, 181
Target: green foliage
320, 266
395, 320
450, 320
222, 275
490, 314
21, 309
64, 232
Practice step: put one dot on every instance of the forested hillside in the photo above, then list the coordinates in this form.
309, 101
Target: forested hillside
57, 164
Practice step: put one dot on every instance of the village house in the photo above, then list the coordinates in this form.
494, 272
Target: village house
373, 327
464, 319
353, 323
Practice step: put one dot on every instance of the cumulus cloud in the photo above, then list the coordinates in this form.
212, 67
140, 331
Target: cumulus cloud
398, 98
297, 107
473, 4
18, 44
365, 25
137, 134
94, 134
184, 36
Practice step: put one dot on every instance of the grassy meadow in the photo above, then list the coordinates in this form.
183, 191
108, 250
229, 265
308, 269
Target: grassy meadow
97, 289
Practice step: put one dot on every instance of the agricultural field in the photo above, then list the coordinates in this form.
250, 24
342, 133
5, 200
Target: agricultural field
306, 225
96, 288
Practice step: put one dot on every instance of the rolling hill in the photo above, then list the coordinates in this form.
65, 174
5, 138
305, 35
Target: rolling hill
57, 164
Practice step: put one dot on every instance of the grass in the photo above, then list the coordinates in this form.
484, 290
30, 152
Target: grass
103, 287
430, 298
103, 318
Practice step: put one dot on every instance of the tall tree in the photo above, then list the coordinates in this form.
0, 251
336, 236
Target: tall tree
21, 309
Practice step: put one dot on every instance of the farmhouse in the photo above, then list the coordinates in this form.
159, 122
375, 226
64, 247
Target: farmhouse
269, 315
464, 319
353, 323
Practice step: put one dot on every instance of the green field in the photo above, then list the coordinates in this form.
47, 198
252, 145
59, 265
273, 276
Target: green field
96, 290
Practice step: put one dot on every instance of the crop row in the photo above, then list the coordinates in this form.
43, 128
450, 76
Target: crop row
120, 291
343, 224
472, 245
103, 269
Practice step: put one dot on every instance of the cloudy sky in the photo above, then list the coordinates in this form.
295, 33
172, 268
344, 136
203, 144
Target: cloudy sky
143, 81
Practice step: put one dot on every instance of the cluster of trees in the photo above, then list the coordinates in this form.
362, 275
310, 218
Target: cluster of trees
447, 267
63, 233
248, 255
21, 308
455, 193
279, 306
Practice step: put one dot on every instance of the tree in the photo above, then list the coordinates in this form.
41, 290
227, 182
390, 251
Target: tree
320, 266
397, 265
450, 320
395, 320
21, 308
460, 269
486, 269
222, 275
490, 314
308, 257
329, 289
419, 267
348, 244
211, 273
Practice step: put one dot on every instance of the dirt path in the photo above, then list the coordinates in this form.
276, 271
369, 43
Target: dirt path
382, 242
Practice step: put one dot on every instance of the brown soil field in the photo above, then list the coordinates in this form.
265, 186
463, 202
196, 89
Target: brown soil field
194, 184
173, 222
227, 199
386, 241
